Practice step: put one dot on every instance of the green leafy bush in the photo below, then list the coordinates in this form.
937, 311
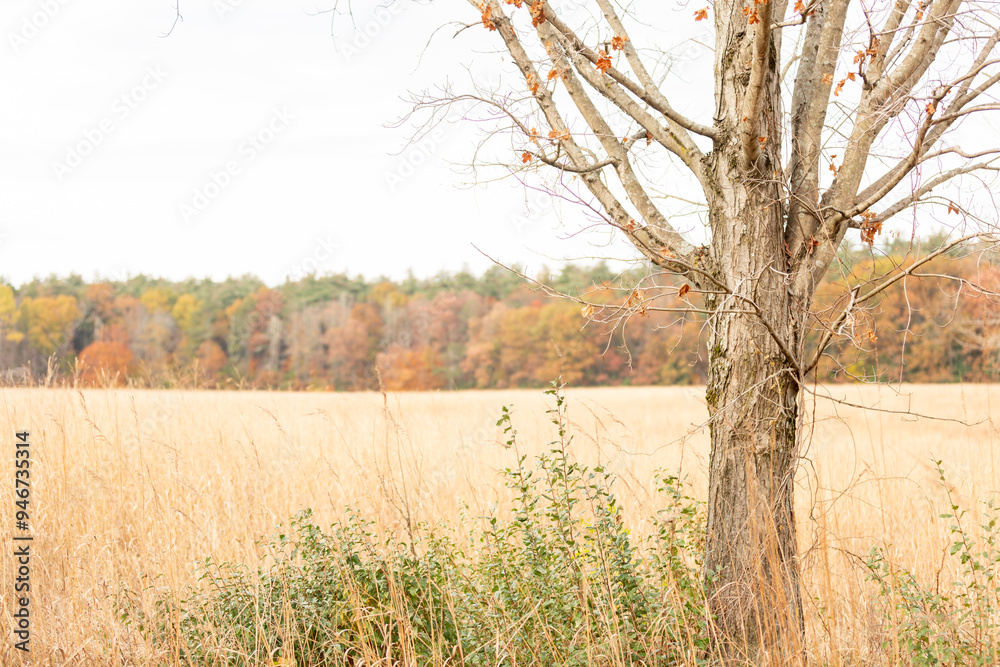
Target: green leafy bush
561, 582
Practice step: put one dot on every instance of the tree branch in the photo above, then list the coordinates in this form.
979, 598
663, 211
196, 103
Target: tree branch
658, 241
646, 90
810, 99
889, 282
750, 112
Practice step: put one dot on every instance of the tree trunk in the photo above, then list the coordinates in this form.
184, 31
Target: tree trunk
753, 398
753, 578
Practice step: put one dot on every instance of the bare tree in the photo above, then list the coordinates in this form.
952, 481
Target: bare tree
851, 122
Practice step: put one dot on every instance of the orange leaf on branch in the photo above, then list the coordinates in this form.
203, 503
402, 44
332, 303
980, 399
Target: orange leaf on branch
701, 14
532, 83
871, 226
525, 157
603, 63
635, 300
618, 43
487, 14
537, 10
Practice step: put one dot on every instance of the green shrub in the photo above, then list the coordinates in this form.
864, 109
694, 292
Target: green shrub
561, 582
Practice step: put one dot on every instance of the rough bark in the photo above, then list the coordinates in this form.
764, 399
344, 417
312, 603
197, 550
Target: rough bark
753, 392
752, 574
751, 571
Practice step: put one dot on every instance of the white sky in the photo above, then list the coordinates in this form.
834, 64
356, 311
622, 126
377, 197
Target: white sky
157, 117
218, 79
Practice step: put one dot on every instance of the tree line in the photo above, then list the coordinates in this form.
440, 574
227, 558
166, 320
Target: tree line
591, 325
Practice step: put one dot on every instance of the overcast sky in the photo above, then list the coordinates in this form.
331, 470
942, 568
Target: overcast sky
253, 140
247, 141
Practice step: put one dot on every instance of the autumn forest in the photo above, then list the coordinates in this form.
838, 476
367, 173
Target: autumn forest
458, 331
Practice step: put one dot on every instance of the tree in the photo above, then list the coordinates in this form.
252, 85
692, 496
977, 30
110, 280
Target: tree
8, 310
189, 316
352, 346
837, 130
156, 299
211, 360
408, 369
48, 322
105, 361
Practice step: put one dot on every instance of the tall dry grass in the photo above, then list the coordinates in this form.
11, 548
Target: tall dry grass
132, 488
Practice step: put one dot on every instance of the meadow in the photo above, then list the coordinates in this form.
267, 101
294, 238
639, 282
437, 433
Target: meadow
133, 488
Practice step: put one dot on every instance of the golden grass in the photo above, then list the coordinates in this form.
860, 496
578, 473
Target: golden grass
127, 483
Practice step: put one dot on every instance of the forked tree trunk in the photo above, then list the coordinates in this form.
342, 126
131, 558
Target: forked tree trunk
755, 343
753, 395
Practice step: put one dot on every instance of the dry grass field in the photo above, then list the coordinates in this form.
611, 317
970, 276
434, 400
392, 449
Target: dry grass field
131, 488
